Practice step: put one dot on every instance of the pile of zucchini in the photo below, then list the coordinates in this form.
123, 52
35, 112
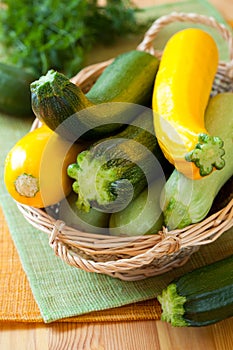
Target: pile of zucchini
124, 156
126, 181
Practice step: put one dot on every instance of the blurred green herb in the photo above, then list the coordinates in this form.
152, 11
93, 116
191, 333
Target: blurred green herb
44, 34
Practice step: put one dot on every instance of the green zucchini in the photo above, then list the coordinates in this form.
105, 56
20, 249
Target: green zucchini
143, 215
129, 78
201, 297
58, 102
15, 97
185, 201
95, 221
114, 170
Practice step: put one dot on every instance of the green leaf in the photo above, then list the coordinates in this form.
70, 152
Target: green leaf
50, 34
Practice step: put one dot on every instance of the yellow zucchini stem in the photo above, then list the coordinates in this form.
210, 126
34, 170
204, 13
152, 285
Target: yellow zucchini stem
27, 185
207, 155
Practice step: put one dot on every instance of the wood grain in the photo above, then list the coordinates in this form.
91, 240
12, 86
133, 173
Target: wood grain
136, 335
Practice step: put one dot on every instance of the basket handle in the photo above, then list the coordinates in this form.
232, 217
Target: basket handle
161, 22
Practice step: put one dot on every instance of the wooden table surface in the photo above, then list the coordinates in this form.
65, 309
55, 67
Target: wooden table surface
136, 335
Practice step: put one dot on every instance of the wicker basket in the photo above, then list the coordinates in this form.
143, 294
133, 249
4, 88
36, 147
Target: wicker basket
134, 258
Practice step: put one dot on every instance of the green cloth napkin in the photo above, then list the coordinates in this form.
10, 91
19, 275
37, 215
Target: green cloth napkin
61, 290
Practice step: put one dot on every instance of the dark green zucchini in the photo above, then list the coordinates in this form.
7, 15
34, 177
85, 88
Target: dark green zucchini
116, 169
66, 109
129, 78
15, 96
201, 297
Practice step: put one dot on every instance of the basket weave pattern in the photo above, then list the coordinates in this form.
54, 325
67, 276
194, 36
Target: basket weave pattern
134, 258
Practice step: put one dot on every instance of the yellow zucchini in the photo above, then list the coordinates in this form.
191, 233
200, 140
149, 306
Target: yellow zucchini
35, 168
181, 93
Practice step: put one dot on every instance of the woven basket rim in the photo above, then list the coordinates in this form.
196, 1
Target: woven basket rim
203, 232
133, 261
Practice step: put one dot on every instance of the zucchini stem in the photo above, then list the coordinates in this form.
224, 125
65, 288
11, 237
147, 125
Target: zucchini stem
27, 185
114, 170
172, 306
207, 155
99, 183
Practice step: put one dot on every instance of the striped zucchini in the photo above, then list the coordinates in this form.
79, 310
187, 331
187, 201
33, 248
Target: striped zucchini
201, 297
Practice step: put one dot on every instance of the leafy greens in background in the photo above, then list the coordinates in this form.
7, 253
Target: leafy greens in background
44, 34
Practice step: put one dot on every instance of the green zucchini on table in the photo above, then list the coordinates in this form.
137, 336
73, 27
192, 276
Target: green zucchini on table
185, 201
201, 297
114, 170
15, 97
60, 104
